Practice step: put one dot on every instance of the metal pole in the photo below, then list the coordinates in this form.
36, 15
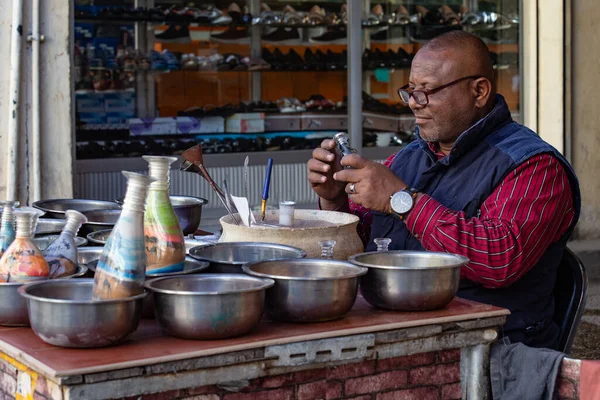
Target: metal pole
35, 39
355, 74
12, 147
255, 51
475, 372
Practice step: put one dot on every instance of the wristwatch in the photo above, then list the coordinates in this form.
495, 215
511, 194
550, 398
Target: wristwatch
402, 202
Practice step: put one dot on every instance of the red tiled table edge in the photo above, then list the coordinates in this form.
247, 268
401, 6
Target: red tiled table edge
148, 345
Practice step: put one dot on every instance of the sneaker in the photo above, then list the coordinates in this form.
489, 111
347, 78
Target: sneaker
189, 62
232, 35
332, 35
283, 36
174, 34
157, 62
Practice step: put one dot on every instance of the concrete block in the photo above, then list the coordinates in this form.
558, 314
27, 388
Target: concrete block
206, 362
112, 375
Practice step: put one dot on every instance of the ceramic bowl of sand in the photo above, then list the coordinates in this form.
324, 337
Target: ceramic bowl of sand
308, 229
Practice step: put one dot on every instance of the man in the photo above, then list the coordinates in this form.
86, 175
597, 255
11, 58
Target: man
474, 183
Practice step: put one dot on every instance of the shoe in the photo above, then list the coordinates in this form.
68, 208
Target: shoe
429, 17
332, 35
425, 34
391, 35
171, 60
449, 16
233, 35
316, 16
294, 61
291, 16
401, 16
283, 36
375, 17
493, 36
174, 34
157, 62
189, 62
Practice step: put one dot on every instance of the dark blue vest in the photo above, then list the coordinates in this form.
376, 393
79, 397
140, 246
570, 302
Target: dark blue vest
478, 162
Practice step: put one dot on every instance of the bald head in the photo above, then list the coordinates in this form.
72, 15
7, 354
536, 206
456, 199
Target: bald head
468, 52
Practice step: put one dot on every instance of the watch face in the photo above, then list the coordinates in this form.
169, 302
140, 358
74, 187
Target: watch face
401, 202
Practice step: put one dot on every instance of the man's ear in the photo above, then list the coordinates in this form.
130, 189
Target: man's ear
482, 89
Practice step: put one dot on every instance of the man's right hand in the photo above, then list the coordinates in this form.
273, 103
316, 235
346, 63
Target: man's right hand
321, 167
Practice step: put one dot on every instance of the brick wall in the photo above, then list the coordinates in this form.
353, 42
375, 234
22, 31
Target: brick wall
426, 376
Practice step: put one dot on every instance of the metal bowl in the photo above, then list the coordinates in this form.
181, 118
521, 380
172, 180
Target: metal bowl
42, 242
308, 290
191, 243
49, 225
56, 208
409, 280
99, 220
188, 210
62, 313
210, 306
13, 307
231, 256
85, 255
99, 237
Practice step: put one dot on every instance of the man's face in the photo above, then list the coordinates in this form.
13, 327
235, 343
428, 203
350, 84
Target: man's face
451, 110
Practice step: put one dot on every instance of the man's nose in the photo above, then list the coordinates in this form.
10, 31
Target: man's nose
412, 103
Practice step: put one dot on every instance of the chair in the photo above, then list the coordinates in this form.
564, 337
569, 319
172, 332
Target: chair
569, 298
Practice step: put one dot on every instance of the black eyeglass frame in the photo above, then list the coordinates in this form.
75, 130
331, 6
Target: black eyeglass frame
428, 93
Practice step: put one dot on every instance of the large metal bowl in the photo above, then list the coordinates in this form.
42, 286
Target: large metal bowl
308, 290
42, 242
99, 238
49, 225
409, 280
56, 208
188, 210
230, 257
87, 254
13, 307
210, 306
99, 220
62, 313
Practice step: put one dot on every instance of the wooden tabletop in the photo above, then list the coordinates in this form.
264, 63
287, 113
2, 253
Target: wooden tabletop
149, 345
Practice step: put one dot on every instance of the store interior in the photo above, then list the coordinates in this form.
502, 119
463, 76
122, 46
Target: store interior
260, 76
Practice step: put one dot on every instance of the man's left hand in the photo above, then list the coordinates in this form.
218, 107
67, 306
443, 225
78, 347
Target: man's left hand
374, 183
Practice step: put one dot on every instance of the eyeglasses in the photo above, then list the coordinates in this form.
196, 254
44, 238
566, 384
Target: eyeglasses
422, 96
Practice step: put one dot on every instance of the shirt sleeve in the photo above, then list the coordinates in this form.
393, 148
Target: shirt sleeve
528, 211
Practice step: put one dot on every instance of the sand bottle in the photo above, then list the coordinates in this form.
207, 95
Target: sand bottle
121, 269
7, 224
61, 255
165, 245
23, 261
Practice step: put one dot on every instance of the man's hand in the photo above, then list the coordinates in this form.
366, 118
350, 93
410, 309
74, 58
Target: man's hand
374, 183
320, 176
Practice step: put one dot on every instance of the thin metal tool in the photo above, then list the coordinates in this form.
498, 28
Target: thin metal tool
230, 203
247, 188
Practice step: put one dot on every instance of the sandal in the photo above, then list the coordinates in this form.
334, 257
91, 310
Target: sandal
257, 64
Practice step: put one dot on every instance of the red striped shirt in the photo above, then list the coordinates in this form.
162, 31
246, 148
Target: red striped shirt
530, 209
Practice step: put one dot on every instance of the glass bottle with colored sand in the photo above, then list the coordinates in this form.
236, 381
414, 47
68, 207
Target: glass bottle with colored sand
61, 255
121, 269
7, 224
165, 244
23, 261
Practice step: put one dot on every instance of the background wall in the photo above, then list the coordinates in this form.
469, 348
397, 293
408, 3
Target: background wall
585, 113
57, 153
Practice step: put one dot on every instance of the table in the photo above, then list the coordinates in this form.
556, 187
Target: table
442, 354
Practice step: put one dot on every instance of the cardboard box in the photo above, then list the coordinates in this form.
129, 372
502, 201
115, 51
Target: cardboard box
245, 123
191, 125
152, 126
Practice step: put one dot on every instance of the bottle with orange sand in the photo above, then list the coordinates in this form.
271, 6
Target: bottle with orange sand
61, 255
23, 261
121, 269
165, 245
7, 224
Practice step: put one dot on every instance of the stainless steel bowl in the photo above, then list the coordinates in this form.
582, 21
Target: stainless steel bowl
99, 237
409, 280
85, 255
188, 210
42, 242
62, 313
13, 307
191, 243
210, 306
228, 257
49, 225
56, 208
308, 290
99, 220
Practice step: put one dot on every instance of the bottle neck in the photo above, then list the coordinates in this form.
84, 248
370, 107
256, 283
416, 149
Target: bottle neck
7, 215
24, 222
137, 189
